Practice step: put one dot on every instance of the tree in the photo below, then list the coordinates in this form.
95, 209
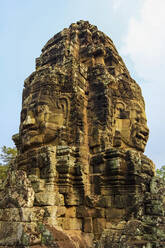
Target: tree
161, 172
7, 155
3, 172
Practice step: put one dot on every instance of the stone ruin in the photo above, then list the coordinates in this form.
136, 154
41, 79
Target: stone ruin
80, 179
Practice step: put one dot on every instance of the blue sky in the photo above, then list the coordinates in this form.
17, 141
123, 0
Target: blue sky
135, 26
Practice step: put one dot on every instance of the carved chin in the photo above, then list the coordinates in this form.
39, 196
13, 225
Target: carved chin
135, 141
139, 143
139, 138
38, 139
32, 141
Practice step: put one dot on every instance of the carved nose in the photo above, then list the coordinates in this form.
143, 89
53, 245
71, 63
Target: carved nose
29, 121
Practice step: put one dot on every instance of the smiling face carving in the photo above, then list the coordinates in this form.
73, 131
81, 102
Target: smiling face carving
139, 130
131, 125
41, 118
39, 124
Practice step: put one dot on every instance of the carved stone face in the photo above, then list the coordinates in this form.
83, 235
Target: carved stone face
40, 122
131, 123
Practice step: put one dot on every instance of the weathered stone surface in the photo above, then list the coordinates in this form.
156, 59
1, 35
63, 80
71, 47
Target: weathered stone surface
80, 178
17, 190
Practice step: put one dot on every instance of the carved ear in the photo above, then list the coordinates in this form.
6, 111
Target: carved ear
64, 105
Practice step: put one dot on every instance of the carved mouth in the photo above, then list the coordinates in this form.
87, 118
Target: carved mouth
142, 136
30, 131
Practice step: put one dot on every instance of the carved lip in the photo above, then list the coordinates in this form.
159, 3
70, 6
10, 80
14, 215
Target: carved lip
142, 135
30, 131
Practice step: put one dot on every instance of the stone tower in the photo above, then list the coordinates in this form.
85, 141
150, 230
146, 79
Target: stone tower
80, 178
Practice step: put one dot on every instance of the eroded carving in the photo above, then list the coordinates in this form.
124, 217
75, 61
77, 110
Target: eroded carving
131, 125
83, 131
44, 113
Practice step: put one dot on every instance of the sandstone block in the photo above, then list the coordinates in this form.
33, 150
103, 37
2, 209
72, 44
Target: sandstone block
88, 225
74, 200
114, 213
71, 212
32, 214
20, 234
38, 186
50, 211
61, 210
48, 199
10, 214
72, 224
99, 225
82, 211
51, 221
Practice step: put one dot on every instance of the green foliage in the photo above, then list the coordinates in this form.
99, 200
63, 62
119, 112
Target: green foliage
8, 154
161, 172
3, 172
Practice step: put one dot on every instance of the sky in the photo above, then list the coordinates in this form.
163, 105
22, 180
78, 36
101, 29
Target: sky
135, 26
